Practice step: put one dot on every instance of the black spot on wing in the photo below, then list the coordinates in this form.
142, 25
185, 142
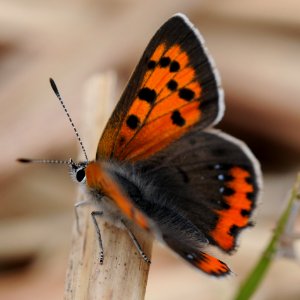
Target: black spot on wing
151, 64
251, 196
226, 191
224, 177
133, 122
245, 213
223, 204
147, 94
172, 85
174, 66
250, 180
234, 230
177, 119
164, 61
186, 94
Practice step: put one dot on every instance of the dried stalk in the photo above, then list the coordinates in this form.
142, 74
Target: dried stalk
123, 274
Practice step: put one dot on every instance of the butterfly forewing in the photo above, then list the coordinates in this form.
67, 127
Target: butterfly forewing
173, 88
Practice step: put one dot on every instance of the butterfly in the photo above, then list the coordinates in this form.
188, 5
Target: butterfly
161, 166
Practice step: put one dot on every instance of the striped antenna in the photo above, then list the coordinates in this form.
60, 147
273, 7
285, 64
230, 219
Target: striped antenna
55, 89
45, 161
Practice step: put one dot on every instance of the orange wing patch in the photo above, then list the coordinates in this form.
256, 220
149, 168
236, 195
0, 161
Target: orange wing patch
208, 264
212, 265
166, 105
162, 131
100, 180
237, 194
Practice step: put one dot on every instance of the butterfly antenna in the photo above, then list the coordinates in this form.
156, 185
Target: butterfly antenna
55, 89
45, 161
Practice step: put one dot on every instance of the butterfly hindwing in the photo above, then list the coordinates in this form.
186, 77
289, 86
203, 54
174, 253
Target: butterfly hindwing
212, 179
173, 88
200, 190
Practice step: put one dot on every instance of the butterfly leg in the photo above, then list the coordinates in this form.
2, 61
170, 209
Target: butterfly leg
136, 243
94, 214
76, 206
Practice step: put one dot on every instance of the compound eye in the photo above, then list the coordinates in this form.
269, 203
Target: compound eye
80, 175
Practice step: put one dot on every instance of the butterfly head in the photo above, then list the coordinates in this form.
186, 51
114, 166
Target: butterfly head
77, 171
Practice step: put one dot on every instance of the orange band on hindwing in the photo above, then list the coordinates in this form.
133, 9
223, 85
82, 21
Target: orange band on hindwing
240, 206
211, 265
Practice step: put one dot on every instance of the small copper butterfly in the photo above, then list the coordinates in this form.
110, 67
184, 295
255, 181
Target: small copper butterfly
160, 165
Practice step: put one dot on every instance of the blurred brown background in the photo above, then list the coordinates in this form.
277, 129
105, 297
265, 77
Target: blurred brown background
256, 46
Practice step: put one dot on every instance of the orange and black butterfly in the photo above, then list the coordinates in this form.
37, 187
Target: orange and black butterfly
161, 166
